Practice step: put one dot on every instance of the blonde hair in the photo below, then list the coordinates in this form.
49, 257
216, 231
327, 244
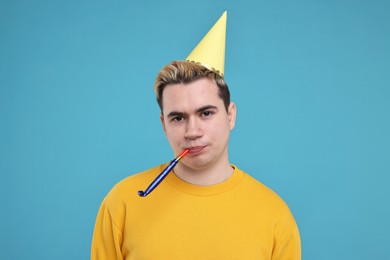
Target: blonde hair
186, 72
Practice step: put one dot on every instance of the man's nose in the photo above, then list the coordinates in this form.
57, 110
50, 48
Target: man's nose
193, 129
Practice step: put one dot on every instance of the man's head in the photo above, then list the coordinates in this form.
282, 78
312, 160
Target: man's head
196, 113
186, 72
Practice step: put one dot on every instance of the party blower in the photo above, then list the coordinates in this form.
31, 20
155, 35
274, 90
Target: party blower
163, 174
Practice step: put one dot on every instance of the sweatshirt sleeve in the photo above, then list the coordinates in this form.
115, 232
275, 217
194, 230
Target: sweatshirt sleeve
287, 241
107, 239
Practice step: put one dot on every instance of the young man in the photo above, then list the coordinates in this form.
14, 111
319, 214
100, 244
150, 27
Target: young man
206, 208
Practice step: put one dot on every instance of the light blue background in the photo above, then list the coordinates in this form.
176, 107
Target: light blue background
77, 109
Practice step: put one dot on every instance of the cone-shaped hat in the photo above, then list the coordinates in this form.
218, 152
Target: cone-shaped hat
210, 51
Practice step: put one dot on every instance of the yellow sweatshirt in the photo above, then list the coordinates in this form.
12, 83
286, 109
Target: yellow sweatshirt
238, 219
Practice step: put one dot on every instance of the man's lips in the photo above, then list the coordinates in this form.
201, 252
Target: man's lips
195, 149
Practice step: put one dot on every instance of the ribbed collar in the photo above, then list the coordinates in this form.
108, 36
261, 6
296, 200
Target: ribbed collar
199, 190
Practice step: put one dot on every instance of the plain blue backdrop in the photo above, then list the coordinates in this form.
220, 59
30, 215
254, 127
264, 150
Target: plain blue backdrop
78, 113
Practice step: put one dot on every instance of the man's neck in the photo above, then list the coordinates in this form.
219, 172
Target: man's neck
212, 175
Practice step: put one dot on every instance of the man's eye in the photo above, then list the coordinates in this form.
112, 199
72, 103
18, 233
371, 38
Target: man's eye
207, 113
177, 118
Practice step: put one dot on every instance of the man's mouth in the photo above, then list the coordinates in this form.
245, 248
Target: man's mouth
195, 149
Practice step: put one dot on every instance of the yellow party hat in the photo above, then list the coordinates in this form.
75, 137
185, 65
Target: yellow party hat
210, 51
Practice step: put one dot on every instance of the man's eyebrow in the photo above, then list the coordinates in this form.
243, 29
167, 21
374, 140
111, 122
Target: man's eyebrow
207, 107
199, 110
175, 113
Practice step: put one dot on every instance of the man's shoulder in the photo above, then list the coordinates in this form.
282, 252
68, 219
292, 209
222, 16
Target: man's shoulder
261, 193
129, 186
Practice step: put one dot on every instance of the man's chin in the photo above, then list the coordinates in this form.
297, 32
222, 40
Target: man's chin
196, 163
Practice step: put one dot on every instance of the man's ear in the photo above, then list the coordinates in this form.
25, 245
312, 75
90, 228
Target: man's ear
162, 122
232, 112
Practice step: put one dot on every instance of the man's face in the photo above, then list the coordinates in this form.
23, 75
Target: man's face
195, 118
